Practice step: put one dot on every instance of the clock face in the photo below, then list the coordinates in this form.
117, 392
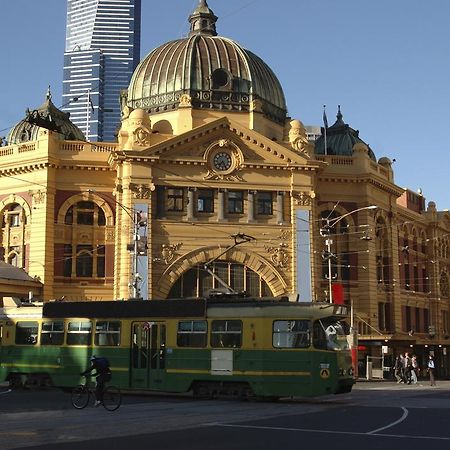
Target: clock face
222, 161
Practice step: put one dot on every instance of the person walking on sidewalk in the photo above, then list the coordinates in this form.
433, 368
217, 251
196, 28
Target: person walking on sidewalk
407, 367
431, 370
414, 369
398, 369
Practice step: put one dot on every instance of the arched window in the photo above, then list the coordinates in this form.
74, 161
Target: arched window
422, 261
444, 285
424, 244
197, 282
383, 254
14, 222
339, 248
85, 259
85, 213
404, 258
13, 216
14, 257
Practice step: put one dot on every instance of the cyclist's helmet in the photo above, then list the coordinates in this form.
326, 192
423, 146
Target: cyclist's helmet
92, 358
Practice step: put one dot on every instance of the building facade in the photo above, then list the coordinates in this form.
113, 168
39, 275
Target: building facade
208, 169
102, 50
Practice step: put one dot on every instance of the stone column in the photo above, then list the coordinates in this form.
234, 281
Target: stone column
280, 211
251, 207
221, 206
191, 205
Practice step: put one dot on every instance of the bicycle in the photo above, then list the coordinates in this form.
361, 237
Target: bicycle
81, 395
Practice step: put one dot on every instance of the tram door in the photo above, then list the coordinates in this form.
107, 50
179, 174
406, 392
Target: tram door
148, 355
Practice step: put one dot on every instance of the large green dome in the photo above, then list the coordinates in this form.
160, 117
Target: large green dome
216, 72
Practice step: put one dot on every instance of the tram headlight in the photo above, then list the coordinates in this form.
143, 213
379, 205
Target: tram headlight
350, 371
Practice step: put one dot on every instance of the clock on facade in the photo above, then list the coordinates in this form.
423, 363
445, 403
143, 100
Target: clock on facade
222, 161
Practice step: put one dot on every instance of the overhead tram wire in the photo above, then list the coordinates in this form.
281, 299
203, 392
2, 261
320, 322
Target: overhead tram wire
203, 184
265, 239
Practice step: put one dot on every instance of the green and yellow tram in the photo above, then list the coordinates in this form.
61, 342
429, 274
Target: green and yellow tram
239, 347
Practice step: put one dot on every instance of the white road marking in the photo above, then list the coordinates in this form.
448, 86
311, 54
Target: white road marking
306, 430
6, 392
404, 416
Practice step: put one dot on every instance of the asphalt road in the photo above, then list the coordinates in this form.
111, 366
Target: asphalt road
380, 415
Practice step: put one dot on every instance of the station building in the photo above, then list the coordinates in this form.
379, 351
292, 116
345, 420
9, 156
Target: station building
209, 170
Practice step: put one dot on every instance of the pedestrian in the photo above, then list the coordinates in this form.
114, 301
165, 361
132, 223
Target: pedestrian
407, 366
431, 370
398, 369
414, 369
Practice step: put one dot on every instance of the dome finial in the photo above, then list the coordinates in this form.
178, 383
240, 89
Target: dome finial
49, 93
203, 20
339, 116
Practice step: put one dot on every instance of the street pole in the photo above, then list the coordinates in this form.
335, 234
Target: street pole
353, 340
329, 243
326, 231
136, 238
134, 248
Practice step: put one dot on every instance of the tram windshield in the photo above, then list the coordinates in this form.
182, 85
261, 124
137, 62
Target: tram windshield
331, 334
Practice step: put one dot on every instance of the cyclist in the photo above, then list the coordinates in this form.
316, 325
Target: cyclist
103, 374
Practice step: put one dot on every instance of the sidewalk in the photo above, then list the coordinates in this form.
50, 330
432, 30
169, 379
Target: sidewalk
424, 383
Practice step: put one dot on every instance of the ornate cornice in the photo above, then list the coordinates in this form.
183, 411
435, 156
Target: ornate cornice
304, 198
142, 191
387, 187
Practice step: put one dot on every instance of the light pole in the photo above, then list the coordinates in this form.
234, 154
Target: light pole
326, 231
138, 220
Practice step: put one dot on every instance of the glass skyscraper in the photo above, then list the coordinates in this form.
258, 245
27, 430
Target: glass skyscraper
102, 51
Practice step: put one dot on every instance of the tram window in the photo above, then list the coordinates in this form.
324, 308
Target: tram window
192, 333
331, 334
107, 333
52, 333
27, 333
319, 337
226, 333
79, 333
291, 334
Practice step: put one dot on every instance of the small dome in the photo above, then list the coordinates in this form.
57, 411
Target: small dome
215, 72
138, 114
295, 123
385, 161
341, 139
47, 116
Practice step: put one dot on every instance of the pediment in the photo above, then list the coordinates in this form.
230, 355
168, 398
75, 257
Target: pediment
250, 147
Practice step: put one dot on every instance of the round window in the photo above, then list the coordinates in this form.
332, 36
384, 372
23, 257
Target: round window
220, 78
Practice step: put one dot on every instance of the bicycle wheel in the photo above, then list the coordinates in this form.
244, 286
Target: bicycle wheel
112, 398
80, 397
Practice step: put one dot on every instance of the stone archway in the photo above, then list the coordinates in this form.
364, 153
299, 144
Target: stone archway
18, 200
90, 197
255, 262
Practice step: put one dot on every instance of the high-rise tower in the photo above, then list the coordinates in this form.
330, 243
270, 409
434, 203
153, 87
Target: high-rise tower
102, 51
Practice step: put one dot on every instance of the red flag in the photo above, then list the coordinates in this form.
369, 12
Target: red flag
338, 293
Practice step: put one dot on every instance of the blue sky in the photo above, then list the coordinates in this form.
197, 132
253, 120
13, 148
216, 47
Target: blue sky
386, 62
